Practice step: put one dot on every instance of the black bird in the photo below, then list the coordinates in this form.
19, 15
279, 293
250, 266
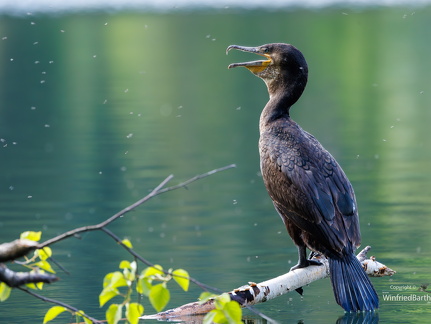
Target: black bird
307, 186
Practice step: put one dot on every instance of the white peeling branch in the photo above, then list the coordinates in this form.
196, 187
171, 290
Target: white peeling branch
253, 293
372, 267
13, 250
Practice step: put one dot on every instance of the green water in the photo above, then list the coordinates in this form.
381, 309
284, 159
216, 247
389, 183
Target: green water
97, 109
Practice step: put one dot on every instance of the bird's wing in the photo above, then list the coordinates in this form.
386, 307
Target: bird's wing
328, 208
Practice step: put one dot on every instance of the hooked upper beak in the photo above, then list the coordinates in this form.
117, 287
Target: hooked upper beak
253, 66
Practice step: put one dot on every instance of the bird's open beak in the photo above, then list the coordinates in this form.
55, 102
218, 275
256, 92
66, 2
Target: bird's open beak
253, 66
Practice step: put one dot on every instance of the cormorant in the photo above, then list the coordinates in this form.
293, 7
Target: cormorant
307, 186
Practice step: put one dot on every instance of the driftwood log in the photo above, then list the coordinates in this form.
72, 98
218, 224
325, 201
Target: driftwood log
254, 293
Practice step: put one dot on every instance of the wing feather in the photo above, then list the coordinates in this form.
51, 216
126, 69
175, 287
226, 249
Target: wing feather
320, 200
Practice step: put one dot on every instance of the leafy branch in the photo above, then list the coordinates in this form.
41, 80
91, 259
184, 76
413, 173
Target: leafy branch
157, 293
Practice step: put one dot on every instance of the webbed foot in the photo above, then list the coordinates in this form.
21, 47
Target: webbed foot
305, 263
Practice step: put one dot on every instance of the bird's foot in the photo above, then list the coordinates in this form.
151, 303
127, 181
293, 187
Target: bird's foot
300, 290
306, 263
313, 254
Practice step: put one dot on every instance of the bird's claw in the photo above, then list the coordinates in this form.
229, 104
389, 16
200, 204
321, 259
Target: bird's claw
305, 264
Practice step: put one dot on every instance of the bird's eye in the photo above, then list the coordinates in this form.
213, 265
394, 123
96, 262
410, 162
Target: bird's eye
265, 50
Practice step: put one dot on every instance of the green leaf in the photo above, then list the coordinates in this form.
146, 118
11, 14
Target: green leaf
108, 278
144, 286
220, 317
107, 294
111, 282
181, 277
233, 312
129, 271
45, 266
209, 317
127, 243
221, 300
114, 280
159, 296
133, 311
86, 320
31, 286
4, 291
113, 314
53, 312
227, 311
38, 285
124, 264
44, 253
215, 316
205, 296
33, 236
151, 271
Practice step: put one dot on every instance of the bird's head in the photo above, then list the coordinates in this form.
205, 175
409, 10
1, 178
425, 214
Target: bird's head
283, 66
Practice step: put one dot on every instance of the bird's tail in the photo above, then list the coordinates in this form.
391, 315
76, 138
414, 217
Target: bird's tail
352, 288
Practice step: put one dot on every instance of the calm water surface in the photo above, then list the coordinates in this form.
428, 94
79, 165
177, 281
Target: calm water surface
97, 109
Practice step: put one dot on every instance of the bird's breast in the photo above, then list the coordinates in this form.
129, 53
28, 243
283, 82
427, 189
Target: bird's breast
277, 154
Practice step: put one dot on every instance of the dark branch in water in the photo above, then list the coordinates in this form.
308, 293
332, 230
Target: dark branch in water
14, 279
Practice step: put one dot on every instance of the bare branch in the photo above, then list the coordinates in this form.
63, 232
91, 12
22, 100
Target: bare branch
156, 191
109, 220
16, 249
198, 177
14, 279
253, 293
53, 301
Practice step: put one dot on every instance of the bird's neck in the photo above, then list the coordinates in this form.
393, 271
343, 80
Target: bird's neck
279, 105
282, 95
275, 109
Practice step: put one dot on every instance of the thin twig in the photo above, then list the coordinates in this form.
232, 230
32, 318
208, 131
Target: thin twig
195, 178
53, 301
106, 222
156, 191
148, 263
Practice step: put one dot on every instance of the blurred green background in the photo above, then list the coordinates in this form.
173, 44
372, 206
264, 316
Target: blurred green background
97, 108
